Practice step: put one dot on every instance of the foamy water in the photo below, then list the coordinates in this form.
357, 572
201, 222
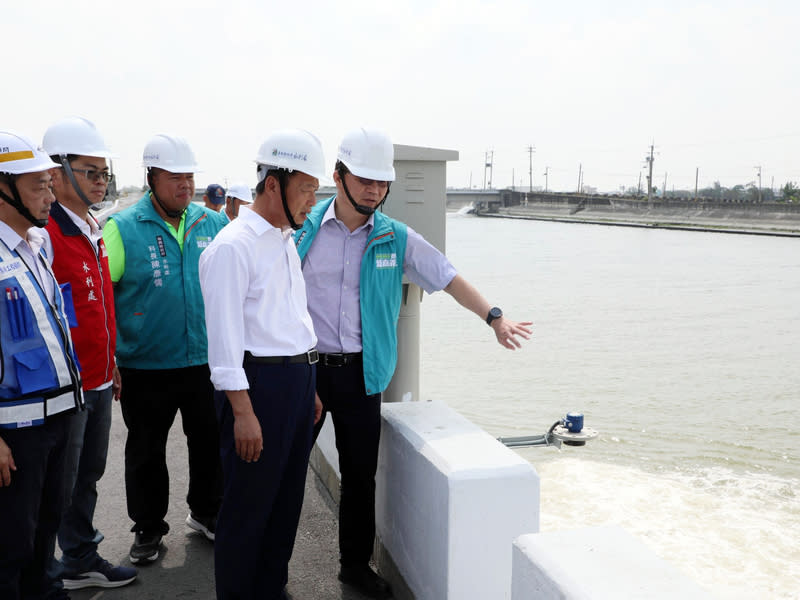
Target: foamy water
681, 348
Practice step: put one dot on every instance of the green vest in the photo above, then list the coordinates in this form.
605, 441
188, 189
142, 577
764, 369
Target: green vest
380, 291
160, 312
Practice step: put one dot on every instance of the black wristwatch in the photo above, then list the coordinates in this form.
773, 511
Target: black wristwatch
494, 313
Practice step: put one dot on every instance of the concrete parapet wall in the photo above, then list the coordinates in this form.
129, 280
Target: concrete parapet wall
599, 563
450, 502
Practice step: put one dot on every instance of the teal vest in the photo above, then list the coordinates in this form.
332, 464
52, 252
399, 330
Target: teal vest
39, 375
160, 312
380, 291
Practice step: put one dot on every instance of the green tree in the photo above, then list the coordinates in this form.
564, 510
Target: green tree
790, 192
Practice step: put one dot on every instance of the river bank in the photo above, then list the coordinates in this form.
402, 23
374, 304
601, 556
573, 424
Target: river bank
723, 220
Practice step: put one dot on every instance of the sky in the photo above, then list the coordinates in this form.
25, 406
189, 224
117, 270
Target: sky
713, 86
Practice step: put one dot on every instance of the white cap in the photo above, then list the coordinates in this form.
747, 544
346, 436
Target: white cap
19, 155
241, 191
75, 135
171, 153
293, 150
368, 153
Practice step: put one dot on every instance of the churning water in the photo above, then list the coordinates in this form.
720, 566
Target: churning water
681, 348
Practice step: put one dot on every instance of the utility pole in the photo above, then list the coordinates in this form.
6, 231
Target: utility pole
512, 179
546, 169
759, 182
580, 175
489, 158
639, 185
649, 160
664, 191
531, 150
696, 178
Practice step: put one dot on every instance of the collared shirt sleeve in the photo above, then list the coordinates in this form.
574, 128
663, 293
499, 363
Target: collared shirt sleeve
425, 266
47, 246
115, 250
224, 282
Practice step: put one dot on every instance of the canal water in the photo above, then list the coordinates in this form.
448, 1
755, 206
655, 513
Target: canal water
681, 348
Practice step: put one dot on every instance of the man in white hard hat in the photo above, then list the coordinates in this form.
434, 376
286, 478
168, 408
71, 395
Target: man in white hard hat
153, 252
239, 194
263, 366
40, 389
76, 251
354, 259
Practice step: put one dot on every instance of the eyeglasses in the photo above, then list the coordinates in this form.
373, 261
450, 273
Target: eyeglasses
382, 185
95, 175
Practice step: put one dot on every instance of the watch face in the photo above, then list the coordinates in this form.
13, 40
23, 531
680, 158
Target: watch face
496, 313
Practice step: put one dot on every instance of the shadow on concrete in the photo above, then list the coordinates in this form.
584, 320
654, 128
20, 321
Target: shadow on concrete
185, 567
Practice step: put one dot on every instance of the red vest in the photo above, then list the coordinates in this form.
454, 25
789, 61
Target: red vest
86, 269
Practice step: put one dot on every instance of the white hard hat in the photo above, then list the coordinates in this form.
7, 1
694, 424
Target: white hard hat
169, 152
293, 150
368, 153
241, 191
75, 135
19, 155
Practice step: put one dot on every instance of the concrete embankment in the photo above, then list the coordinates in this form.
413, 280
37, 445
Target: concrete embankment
750, 220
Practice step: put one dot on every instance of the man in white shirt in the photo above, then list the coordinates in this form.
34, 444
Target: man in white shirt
262, 356
40, 388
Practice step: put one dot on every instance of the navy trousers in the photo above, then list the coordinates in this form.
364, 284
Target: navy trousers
357, 424
150, 401
261, 505
31, 507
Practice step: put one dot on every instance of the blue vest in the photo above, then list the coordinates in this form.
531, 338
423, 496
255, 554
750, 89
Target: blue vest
160, 312
40, 374
380, 291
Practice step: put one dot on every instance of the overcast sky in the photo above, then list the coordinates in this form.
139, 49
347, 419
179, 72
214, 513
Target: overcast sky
714, 84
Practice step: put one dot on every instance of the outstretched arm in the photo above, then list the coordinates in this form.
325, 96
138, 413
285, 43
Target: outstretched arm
505, 329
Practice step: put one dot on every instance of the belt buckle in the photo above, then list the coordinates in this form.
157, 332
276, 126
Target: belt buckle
313, 356
334, 359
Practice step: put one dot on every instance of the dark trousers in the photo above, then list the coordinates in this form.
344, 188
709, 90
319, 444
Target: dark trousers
86, 452
150, 400
261, 507
357, 424
31, 507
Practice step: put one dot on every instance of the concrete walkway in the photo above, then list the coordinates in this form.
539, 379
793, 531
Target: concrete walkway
185, 567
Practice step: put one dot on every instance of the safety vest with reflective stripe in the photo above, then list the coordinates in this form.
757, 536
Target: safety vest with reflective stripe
39, 372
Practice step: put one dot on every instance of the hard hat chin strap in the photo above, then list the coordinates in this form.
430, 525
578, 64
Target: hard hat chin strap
62, 159
364, 210
16, 202
282, 175
172, 214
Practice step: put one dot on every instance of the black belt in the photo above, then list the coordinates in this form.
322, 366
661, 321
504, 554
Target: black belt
334, 359
311, 357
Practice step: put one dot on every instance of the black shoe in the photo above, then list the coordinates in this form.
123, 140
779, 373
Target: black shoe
145, 547
205, 525
366, 581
